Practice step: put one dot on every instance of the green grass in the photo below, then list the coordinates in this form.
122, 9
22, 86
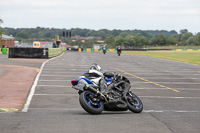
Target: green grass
183, 56
176, 47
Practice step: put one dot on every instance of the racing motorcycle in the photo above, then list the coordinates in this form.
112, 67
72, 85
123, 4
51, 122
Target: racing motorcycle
119, 51
105, 91
104, 50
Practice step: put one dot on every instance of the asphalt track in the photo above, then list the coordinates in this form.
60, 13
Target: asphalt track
169, 90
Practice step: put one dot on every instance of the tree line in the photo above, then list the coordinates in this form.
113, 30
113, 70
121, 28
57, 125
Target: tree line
125, 38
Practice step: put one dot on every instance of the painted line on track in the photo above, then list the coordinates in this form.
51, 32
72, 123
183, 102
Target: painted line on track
147, 80
145, 111
184, 89
17, 66
32, 91
8, 110
185, 83
53, 80
56, 94
164, 78
57, 75
61, 72
160, 97
175, 111
169, 97
53, 86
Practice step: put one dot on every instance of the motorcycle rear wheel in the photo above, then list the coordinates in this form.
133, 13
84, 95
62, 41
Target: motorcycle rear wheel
134, 103
89, 105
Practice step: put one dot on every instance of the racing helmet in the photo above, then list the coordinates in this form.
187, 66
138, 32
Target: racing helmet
95, 66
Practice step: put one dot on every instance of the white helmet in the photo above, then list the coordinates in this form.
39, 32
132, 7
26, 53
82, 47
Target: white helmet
95, 66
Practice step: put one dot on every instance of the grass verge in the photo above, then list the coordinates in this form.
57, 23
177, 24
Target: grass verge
183, 56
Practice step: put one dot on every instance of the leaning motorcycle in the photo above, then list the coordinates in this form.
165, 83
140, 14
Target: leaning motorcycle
105, 91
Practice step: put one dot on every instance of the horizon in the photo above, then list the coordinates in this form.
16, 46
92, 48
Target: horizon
105, 14
98, 29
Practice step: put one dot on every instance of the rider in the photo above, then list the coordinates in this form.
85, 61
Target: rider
119, 49
104, 47
95, 71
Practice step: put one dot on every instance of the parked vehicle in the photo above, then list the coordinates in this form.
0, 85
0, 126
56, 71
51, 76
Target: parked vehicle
105, 91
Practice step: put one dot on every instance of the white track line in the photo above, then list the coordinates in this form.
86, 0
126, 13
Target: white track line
76, 94
168, 97
145, 111
30, 96
53, 80
53, 86
59, 75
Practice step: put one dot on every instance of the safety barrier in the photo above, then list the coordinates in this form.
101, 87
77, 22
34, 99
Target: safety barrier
32, 52
41, 53
4, 50
94, 50
185, 49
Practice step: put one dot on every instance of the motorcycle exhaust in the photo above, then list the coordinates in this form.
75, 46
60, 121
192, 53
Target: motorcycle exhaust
95, 91
92, 89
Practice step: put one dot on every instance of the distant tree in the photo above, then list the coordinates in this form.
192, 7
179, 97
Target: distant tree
185, 36
101, 34
110, 41
197, 39
172, 41
22, 35
91, 33
183, 31
115, 32
160, 40
119, 41
191, 40
130, 42
123, 34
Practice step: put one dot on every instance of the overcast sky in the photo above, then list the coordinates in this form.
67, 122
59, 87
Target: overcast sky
100, 14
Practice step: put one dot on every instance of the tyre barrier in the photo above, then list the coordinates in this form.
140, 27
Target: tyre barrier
39, 53
185, 49
94, 50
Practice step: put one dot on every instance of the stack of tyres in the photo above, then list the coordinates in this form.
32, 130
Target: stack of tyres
39, 53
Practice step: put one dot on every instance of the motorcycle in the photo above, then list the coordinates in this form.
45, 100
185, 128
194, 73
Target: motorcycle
105, 91
104, 51
119, 51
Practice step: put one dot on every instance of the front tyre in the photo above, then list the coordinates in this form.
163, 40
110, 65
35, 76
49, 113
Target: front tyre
118, 53
90, 104
134, 103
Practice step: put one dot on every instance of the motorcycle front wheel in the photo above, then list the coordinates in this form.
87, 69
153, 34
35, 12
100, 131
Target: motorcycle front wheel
90, 104
134, 103
119, 53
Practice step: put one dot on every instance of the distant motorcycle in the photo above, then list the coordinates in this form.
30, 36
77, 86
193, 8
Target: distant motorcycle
119, 51
107, 91
104, 50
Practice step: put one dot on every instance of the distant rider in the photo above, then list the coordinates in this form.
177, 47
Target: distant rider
119, 49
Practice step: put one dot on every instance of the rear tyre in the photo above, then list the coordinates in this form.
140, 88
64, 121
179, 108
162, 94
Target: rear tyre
88, 103
134, 103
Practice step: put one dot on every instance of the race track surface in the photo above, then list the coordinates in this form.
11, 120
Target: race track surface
169, 90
